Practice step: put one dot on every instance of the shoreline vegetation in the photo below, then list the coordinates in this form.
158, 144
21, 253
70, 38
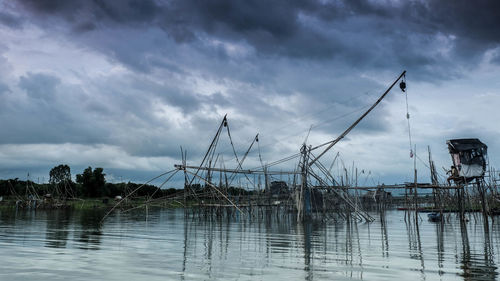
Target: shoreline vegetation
90, 190
104, 203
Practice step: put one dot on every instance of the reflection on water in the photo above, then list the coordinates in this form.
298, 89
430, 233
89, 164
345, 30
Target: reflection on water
477, 265
57, 229
168, 244
89, 233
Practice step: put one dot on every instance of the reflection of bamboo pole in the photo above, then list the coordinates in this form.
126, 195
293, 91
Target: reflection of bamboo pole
484, 204
406, 205
466, 255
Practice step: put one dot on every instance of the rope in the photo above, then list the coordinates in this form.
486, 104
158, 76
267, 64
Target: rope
260, 156
240, 164
208, 152
128, 195
359, 119
161, 185
314, 126
408, 117
236, 155
232, 145
439, 174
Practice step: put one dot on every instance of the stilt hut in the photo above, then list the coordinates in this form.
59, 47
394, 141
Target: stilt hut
469, 159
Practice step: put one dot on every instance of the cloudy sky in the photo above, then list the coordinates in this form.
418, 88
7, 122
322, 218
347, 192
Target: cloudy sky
123, 84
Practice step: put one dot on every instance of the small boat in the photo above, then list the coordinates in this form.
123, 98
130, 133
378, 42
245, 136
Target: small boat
434, 217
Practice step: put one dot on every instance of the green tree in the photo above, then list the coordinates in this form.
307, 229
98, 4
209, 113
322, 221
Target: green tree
60, 179
60, 174
93, 182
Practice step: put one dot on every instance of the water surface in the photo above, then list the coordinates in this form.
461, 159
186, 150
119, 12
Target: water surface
167, 245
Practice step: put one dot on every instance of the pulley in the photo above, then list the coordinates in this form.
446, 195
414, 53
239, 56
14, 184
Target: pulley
402, 84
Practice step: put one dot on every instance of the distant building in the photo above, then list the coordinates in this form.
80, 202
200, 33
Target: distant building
379, 195
278, 187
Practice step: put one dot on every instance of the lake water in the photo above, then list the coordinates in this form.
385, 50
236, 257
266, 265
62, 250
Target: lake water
166, 245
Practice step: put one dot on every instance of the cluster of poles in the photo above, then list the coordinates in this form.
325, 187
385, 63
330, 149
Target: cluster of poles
310, 190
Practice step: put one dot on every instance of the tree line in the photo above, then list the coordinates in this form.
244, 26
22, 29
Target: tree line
91, 183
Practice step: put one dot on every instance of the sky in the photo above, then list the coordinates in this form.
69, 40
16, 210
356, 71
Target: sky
123, 85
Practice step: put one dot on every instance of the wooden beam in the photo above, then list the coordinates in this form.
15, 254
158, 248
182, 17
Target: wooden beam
237, 171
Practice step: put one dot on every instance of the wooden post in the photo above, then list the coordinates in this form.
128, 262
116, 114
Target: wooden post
304, 210
460, 201
268, 187
415, 194
484, 204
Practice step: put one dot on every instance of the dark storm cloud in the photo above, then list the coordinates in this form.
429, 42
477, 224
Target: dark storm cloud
357, 33
44, 110
10, 20
496, 58
118, 111
270, 27
474, 21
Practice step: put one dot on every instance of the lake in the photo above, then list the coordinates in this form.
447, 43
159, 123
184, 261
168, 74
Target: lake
165, 244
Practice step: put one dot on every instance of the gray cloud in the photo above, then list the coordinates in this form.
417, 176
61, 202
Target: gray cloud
39, 86
165, 72
4, 88
10, 20
402, 34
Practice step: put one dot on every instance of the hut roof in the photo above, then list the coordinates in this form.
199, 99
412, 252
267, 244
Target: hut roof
457, 145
